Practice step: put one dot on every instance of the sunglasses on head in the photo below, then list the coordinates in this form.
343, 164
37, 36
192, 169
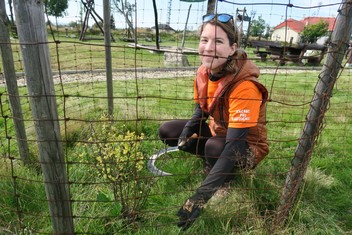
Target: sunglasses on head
223, 18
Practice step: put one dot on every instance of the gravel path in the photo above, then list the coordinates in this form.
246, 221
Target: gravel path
148, 73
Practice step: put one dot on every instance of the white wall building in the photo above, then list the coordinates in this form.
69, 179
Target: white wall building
290, 29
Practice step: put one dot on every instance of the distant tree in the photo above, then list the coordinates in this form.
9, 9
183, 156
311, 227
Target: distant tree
126, 8
112, 19
11, 22
312, 32
258, 27
73, 24
56, 8
11, 12
98, 25
268, 31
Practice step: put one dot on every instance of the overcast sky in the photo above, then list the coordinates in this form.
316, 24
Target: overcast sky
272, 11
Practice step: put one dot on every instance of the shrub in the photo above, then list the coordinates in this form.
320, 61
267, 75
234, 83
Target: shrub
119, 161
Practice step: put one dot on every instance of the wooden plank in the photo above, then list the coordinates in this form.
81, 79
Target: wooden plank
187, 51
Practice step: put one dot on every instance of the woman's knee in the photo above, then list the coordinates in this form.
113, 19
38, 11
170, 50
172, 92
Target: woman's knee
163, 131
213, 149
170, 131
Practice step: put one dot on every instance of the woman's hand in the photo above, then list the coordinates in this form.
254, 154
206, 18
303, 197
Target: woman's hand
190, 211
184, 139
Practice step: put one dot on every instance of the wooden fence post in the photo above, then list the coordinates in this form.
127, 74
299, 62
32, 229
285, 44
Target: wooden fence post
11, 84
108, 62
33, 37
323, 91
211, 6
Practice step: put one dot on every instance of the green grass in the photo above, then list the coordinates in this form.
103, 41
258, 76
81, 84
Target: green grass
323, 203
74, 54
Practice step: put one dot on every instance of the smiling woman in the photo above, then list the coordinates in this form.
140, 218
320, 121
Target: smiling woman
227, 92
214, 48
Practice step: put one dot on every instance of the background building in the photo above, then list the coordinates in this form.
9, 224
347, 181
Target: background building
290, 29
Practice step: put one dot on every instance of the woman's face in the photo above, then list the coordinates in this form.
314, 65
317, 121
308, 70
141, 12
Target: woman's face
214, 47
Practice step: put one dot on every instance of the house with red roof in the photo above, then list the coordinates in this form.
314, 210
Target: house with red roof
290, 29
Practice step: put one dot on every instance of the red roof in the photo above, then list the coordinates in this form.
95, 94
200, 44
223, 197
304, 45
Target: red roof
298, 25
292, 24
314, 20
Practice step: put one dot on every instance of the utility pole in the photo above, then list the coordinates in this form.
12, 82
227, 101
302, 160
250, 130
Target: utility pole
242, 16
169, 5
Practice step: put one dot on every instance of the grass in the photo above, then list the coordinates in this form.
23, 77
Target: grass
323, 202
72, 54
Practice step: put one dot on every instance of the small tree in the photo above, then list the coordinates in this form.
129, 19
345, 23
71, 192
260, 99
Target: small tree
312, 32
73, 24
118, 159
11, 13
258, 27
112, 19
56, 8
268, 31
126, 8
98, 25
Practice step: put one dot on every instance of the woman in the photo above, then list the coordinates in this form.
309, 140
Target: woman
227, 128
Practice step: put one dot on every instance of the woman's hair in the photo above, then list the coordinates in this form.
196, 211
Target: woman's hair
229, 28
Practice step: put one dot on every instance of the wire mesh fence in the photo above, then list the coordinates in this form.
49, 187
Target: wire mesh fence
109, 186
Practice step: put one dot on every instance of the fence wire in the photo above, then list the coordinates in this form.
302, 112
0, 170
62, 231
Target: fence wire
111, 190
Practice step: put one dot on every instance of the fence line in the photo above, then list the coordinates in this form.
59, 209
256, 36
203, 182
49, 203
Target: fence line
81, 148
319, 106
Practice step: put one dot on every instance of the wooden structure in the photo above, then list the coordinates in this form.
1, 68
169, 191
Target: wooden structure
260, 48
186, 51
283, 54
89, 9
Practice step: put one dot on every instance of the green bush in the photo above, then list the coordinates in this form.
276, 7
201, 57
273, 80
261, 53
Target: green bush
118, 159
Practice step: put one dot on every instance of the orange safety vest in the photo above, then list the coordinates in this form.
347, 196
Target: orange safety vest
218, 109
